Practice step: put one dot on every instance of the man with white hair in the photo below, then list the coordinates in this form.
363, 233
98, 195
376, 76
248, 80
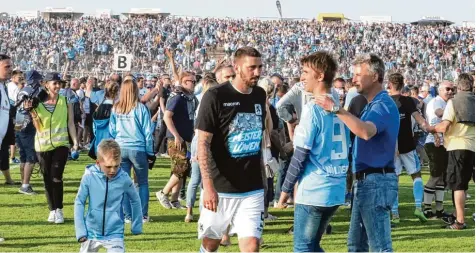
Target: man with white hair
437, 154
425, 94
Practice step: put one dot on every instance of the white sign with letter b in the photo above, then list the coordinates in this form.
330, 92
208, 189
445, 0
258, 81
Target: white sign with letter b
122, 62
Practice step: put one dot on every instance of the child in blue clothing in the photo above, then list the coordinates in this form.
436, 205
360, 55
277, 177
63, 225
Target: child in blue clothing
104, 184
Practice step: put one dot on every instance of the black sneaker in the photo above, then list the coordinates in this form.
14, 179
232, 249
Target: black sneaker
441, 214
12, 183
450, 219
291, 230
429, 214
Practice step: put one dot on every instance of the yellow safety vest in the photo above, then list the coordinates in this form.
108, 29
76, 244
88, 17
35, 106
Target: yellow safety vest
53, 130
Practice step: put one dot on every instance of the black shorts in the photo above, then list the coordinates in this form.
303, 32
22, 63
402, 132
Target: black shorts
460, 169
438, 157
88, 122
4, 157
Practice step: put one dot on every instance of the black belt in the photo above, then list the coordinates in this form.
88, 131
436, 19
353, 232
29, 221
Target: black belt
362, 174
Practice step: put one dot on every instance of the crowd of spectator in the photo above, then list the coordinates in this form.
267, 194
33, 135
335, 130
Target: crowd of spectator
419, 52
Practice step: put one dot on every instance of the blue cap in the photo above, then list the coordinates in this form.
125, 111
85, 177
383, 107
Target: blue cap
52, 76
33, 77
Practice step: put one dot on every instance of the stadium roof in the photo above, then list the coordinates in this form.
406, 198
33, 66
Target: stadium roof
432, 21
330, 16
145, 11
60, 10
3, 15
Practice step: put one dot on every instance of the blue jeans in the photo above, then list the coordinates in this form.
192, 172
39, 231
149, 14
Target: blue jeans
283, 169
25, 139
370, 220
192, 188
138, 159
195, 177
310, 223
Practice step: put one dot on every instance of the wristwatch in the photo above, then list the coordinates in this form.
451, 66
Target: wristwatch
335, 109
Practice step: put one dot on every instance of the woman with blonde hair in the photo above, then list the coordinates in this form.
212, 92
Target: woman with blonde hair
130, 126
208, 81
53, 120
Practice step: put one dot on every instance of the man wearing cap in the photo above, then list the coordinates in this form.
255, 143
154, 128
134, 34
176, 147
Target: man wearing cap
6, 126
25, 138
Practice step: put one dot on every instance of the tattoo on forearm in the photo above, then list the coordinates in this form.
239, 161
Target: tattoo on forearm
205, 158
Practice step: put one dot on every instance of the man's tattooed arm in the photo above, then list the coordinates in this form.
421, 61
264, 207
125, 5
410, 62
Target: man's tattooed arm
205, 158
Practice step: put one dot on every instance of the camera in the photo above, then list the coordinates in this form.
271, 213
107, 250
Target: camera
35, 93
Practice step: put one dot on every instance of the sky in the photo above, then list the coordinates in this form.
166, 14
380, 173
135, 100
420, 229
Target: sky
400, 10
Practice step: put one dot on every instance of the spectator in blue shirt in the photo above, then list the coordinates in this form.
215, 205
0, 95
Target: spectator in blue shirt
130, 126
320, 159
179, 119
373, 157
71, 53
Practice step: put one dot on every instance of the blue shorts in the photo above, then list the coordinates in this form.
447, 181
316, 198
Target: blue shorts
25, 140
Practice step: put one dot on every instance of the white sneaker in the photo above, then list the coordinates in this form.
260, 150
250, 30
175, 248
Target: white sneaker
51, 217
127, 220
275, 205
188, 218
2, 240
163, 199
59, 218
146, 219
270, 217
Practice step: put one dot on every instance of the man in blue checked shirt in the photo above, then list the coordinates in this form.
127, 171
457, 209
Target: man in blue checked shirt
320, 161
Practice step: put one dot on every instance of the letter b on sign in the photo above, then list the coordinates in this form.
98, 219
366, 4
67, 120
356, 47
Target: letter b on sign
122, 62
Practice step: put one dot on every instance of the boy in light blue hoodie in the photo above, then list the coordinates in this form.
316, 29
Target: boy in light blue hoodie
105, 185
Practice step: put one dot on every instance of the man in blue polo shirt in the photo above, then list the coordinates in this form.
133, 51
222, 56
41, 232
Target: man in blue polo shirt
375, 144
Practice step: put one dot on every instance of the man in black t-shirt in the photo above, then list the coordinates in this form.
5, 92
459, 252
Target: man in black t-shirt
406, 155
230, 127
356, 106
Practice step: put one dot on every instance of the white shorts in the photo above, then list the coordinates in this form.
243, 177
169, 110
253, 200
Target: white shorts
245, 215
113, 245
410, 161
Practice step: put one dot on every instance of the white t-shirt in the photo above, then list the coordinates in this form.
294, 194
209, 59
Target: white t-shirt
13, 90
350, 95
4, 112
82, 96
434, 104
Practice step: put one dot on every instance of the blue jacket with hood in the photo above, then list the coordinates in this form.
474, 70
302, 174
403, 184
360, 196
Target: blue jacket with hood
103, 219
133, 130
